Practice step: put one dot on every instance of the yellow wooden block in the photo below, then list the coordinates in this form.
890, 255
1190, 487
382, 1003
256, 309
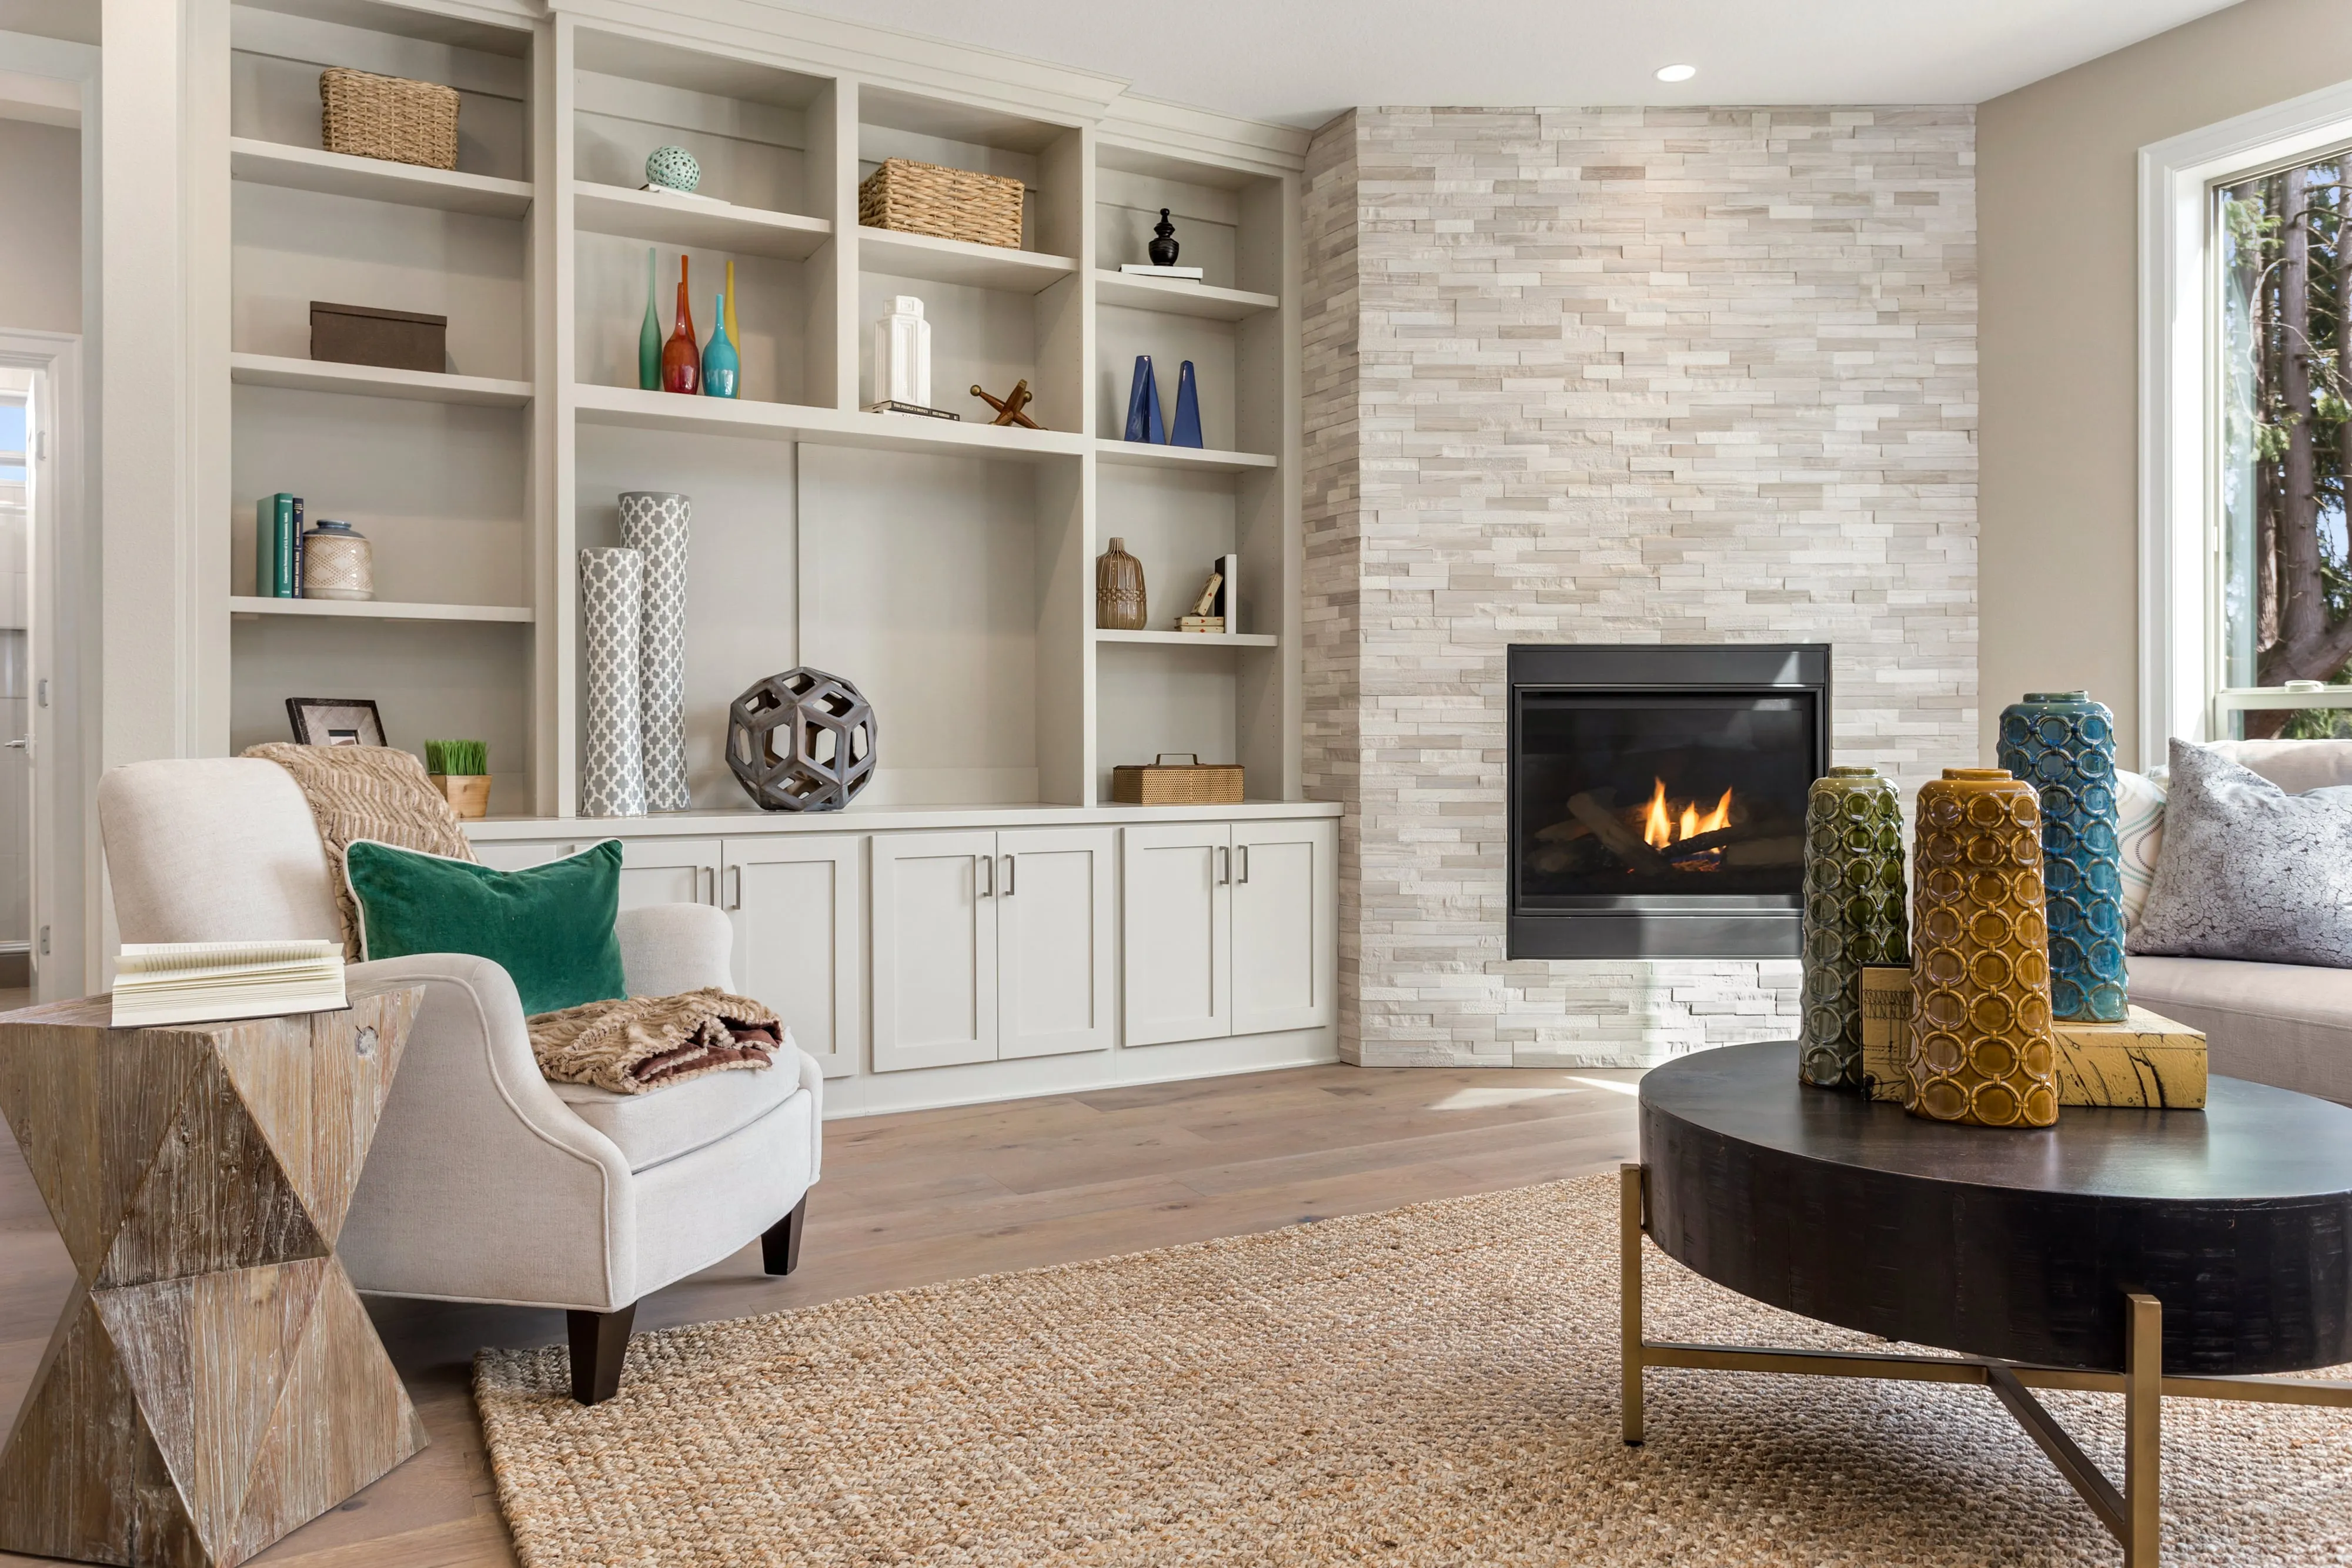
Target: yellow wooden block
2144, 1061
1885, 1030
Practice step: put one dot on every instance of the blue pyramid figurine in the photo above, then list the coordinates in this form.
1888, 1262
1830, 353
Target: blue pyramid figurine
1186, 430
1143, 405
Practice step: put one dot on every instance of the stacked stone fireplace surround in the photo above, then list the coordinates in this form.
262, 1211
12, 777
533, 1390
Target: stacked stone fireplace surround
1641, 375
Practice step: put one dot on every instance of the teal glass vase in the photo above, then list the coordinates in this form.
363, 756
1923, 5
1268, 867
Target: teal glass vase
1853, 915
2064, 743
722, 367
650, 335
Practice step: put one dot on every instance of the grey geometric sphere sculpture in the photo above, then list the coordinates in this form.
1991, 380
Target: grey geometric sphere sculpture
802, 741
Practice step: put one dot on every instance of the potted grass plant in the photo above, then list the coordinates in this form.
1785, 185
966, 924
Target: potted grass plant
460, 769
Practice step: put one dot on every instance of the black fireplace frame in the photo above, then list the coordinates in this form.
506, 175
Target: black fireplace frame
1677, 925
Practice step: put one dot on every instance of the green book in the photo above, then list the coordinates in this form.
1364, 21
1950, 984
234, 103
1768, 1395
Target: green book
285, 542
265, 548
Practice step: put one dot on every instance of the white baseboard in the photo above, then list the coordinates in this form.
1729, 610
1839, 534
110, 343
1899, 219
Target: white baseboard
985, 1083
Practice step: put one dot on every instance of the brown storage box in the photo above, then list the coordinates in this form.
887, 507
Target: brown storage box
396, 339
371, 116
1177, 783
947, 204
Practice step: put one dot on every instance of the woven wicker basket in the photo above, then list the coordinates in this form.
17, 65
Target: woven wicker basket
947, 204
393, 118
1176, 783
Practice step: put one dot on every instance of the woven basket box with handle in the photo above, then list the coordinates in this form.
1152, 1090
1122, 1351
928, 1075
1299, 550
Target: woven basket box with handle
1166, 783
945, 203
371, 116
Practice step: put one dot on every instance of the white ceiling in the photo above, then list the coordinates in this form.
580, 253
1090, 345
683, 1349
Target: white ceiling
1300, 62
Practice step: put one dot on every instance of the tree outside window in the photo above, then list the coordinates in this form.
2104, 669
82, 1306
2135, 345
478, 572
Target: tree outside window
2286, 439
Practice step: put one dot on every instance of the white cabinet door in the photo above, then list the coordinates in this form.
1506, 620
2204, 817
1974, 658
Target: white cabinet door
1176, 946
505, 854
667, 871
793, 899
1285, 950
934, 947
1054, 940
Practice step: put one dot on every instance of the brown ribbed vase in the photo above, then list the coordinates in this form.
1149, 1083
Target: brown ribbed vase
1981, 1048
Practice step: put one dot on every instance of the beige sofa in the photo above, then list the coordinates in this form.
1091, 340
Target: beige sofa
2274, 1023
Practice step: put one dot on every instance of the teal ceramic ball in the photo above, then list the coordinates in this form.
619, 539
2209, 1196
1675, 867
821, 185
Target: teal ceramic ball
674, 167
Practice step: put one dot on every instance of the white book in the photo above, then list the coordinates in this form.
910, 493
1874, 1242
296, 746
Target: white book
198, 982
1140, 271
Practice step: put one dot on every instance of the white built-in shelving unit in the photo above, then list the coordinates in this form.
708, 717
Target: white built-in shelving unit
947, 567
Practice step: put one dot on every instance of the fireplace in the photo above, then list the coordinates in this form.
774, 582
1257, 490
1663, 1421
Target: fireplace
1658, 797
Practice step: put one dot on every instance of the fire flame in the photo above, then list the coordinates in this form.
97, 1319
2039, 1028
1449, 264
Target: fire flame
1659, 828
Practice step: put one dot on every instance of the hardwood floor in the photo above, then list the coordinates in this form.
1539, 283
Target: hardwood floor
939, 1194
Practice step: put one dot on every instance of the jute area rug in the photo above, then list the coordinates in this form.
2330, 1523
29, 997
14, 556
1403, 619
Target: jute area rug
1436, 1385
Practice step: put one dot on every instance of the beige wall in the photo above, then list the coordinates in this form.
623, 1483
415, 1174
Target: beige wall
40, 227
2057, 198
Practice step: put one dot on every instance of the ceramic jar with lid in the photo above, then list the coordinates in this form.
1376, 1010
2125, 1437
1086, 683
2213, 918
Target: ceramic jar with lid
1982, 1050
1854, 915
337, 562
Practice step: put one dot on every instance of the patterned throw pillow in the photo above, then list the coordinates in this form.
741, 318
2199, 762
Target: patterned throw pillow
2139, 833
2248, 871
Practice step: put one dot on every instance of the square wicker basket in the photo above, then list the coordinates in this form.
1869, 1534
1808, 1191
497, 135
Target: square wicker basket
947, 204
1167, 783
405, 122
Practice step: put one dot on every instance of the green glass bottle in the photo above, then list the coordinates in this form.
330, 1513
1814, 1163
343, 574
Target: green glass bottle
650, 335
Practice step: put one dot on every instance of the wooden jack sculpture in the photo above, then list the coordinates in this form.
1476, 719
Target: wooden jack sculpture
1008, 409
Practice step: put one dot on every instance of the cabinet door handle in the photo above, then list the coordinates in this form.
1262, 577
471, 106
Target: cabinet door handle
1224, 865
986, 865
712, 896
735, 901
1008, 876
1241, 856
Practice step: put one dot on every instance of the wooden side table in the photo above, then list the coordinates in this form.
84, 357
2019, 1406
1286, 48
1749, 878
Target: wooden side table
215, 1382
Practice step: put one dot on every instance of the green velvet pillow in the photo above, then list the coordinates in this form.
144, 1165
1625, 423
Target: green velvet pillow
549, 927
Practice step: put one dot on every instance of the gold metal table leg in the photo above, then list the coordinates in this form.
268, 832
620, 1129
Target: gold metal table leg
1629, 1297
2142, 1429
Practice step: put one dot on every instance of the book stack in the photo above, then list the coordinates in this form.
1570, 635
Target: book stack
278, 547
158, 983
1211, 624
1213, 614
1137, 270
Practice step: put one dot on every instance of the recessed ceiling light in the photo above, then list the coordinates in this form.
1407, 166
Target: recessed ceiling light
1677, 73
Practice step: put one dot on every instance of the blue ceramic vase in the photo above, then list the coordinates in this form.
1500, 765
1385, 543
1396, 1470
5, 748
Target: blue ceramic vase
1143, 405
2064, 743
1854, 915
1184, 430
721, 366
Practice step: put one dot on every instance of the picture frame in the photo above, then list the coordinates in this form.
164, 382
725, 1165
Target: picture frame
335, 721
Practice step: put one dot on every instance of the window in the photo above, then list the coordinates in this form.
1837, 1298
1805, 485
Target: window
2284, 253
2246, 430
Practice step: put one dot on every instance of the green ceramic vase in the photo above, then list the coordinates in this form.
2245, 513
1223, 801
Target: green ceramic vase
1854, 915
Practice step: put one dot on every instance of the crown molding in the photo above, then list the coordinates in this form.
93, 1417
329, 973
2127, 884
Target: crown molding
1183, 131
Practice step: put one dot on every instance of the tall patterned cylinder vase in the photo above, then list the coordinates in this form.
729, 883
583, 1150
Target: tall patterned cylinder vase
656, 525
1981, 1048
1853, 914
2064, 743
611, 760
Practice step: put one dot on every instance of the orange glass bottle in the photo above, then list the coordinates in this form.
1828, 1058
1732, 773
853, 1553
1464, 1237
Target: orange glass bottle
681, 363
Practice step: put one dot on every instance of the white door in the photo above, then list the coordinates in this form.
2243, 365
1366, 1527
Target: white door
1285, 951
793, 901
934, 947
653, 871
1054, 940
1176, 949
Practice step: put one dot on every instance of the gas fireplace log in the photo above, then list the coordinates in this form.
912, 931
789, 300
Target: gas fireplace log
1616, 837
1562, 832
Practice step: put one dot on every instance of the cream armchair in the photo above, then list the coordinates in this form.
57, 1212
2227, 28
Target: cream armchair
486, 1182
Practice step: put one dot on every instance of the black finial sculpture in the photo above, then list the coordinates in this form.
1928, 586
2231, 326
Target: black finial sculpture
1163, 245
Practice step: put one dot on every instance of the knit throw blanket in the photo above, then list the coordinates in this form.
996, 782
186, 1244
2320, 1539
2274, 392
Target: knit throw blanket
367, 792
649, 1042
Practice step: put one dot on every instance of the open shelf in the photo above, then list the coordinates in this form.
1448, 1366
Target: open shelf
1191, 639
375, 609
685, 222
375, 380
1197, 459
262, 163
961, 261
632, 408
1179, 298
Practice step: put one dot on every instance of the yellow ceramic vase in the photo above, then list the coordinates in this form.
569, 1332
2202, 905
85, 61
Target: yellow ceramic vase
1982, 1051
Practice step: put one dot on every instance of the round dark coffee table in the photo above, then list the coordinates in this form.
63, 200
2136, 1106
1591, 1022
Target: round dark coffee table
2144, 1252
